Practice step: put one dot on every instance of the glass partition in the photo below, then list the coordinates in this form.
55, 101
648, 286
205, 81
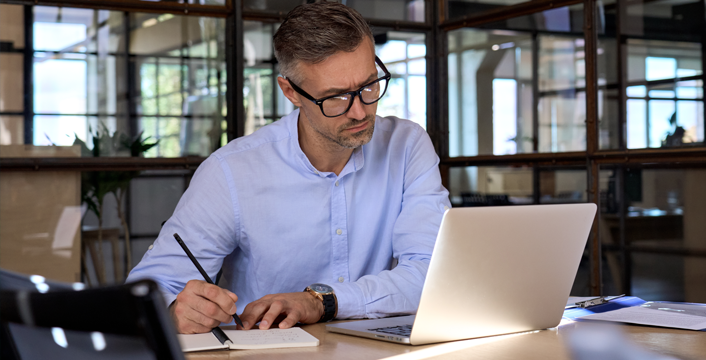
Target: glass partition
651, 223
664, 92
176, 98
658, 76
487, 185
506, 99
562, 95
490, 92
262, 97
404, 55
563, 186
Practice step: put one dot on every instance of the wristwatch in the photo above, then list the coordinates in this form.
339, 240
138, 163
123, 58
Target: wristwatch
325, 293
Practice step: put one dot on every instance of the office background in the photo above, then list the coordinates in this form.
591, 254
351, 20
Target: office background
107, 107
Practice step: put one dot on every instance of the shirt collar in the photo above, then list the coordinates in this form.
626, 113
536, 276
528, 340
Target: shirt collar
292, 121
354, 164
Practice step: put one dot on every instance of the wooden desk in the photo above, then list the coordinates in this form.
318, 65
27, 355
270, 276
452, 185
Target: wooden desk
541, 345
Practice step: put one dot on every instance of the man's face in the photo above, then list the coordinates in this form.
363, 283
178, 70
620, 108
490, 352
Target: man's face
341, 72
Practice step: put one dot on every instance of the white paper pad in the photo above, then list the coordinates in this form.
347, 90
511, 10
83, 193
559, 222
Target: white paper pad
272, 338
249, 339
646, 316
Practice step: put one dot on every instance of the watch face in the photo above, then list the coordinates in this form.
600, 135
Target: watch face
321, 288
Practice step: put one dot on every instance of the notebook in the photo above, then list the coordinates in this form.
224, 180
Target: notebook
494, 270
249, 339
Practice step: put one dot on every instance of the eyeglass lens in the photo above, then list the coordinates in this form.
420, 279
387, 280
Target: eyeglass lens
339, 104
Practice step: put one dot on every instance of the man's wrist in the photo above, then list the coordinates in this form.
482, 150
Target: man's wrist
324, 294
320, 306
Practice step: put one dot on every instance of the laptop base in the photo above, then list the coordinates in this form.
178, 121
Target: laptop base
365, 328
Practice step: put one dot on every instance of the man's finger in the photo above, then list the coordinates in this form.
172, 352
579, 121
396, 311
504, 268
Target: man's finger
292, 318
212, 311
231, 295
271, 314
215, 294
189, 321
252, 314
203, 305
201, 319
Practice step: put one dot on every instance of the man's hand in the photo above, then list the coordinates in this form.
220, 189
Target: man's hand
286, 309
202, 306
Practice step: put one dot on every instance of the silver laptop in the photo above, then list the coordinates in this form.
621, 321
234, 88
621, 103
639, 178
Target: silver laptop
494, 270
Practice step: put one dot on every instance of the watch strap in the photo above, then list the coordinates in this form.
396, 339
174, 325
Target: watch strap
329, 308
330, 304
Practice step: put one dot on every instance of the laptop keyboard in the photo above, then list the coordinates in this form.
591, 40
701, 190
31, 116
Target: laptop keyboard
403, 330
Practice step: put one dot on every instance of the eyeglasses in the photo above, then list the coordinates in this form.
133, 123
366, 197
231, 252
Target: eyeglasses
337, 105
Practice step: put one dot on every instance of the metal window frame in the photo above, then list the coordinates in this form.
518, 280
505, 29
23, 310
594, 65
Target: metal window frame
436, 27
164, 7
593, 158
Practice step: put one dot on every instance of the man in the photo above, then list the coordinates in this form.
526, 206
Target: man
329, 194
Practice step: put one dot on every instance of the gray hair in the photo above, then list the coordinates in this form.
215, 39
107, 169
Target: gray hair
313, 32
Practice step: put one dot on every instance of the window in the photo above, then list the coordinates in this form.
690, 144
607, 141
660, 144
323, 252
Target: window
522, 107
404, 55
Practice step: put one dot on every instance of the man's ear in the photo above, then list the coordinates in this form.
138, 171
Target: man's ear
288, 91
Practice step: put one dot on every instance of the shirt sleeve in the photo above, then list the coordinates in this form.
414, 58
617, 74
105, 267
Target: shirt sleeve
424, 201
206, 219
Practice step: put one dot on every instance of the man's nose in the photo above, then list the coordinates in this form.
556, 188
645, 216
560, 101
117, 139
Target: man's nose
357, 110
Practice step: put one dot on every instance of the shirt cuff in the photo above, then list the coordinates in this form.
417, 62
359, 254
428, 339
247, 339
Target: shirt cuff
350, 301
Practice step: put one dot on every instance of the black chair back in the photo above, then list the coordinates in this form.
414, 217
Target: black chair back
132, 321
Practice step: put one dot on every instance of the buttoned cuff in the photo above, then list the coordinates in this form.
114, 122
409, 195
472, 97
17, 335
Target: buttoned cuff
351, 304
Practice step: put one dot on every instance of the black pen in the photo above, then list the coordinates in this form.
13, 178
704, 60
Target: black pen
208, 279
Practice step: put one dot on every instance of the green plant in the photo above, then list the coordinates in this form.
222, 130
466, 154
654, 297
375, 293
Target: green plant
95, 185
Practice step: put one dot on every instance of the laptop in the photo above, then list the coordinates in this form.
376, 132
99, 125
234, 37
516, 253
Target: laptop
494, 270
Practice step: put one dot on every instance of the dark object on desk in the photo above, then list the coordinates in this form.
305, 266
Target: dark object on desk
593, 302
477, 199
127, 321
617, 302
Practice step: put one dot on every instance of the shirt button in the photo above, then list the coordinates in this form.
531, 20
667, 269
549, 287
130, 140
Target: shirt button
150, 248
446, 208
336, 183
341, 279
339, 232
316, 172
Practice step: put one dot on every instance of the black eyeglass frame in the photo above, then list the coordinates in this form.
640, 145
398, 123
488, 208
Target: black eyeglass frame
354, 93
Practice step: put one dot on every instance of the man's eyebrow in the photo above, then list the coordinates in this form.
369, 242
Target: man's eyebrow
334, 91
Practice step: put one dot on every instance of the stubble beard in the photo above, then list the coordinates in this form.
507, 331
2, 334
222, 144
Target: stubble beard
352, 141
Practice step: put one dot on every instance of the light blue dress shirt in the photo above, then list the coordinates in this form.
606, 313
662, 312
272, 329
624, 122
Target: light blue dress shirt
258, 208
